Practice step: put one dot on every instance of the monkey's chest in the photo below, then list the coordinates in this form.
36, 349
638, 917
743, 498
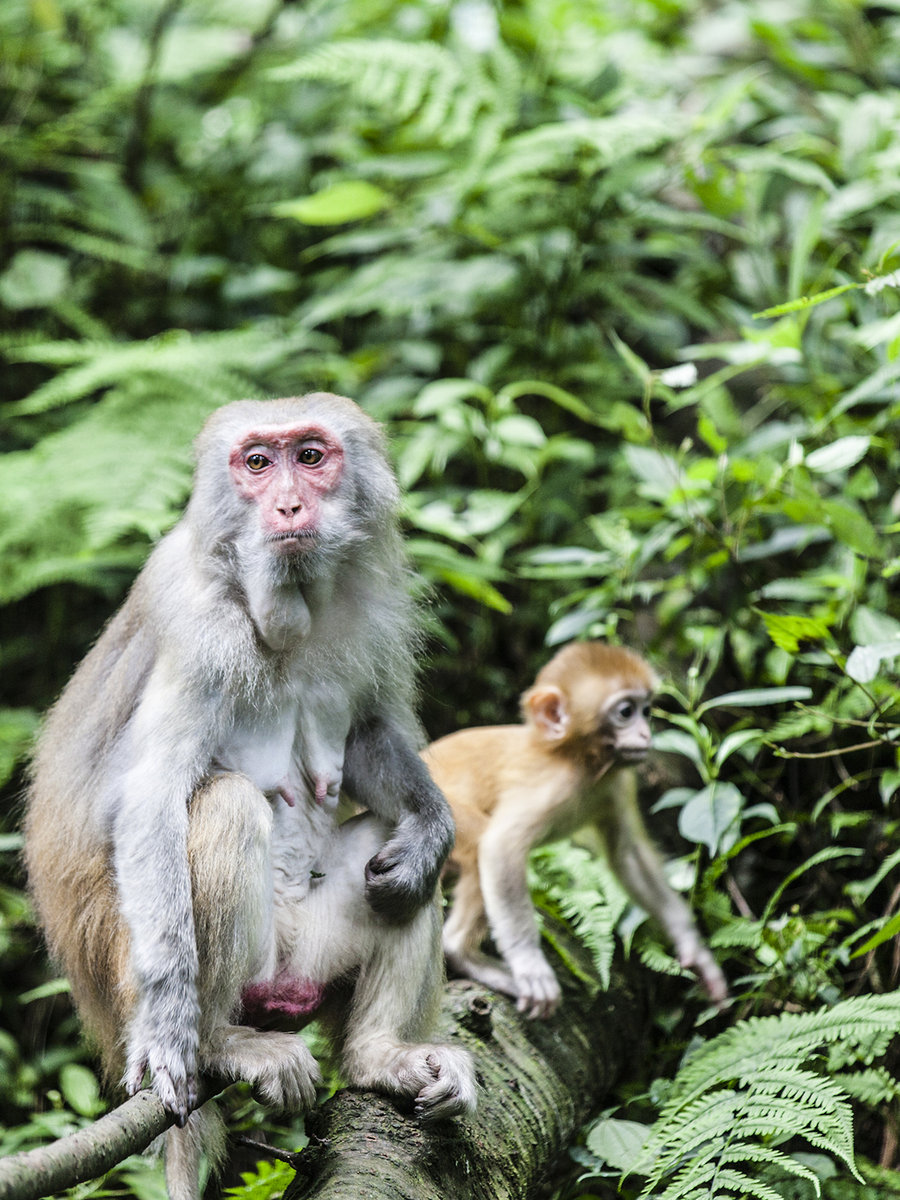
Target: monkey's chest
294, 751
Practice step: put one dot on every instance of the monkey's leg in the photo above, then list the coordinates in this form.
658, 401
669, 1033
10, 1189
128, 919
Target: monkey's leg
400, 975
464, 930
633, 858
511, 916
229, 849
391, 1018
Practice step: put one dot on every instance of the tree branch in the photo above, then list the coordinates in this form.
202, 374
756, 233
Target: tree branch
540, 1080
88, 1152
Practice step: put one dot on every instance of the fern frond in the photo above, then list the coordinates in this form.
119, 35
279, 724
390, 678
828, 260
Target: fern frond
712, 1182
656, 958
229, 358
859, 1026
737, 933
563, 145
436, 92
93, 245
806, 1105
583, 890
399, 286
753, 1152
873, 1086
753, 1082
117, 484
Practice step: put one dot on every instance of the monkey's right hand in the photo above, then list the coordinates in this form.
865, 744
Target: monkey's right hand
172, 1064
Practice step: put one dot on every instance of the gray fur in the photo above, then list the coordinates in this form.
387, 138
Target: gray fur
228, 663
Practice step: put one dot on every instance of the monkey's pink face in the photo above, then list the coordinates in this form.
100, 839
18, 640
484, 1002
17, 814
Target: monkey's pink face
287, 471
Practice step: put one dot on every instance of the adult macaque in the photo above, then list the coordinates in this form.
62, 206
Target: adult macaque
512, 787
182, 835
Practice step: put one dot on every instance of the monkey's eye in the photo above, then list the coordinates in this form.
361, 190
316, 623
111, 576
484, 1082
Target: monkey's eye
626, 711
309, 456
257, 461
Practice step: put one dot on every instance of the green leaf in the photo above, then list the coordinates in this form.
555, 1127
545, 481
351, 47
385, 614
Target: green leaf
789, 633
851, 526
80, 1088
864, 662
888, 784
756, 698
479, 589
449, 393
840, 455
617, 1142
519, 430
734, 741
349, 200
17, 728
674, 741
886, 933
34, 279
711, 817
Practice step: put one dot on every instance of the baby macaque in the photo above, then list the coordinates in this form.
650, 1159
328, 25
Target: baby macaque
512, 787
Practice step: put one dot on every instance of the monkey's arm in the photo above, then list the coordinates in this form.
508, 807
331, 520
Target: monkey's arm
383, 772
637, 864
502, 866
149, 831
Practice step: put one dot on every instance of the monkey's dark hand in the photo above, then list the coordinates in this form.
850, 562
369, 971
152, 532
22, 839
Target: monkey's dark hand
399, 882
383, 773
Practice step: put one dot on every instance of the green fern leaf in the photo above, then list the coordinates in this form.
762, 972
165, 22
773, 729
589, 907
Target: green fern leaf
754, 1080
873, 1086
436, 92
859, 1025
582, 889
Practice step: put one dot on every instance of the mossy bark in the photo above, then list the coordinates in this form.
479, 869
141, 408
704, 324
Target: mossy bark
539, 1081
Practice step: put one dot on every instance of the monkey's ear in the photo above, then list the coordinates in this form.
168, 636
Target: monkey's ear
545, 707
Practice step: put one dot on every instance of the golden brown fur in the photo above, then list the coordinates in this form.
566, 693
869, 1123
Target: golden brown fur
512, 787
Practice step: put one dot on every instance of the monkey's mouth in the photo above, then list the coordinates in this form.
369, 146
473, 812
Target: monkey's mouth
632, 754
292, 539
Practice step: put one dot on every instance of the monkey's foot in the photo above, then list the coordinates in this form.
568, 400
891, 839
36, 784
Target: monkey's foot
439, 1079
282, 999
537, 987
531, 983
482, 968
279, 1066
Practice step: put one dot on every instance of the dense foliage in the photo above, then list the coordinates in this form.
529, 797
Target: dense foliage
621, 279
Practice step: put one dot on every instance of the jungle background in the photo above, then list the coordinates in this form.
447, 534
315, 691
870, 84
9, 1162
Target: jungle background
621, 279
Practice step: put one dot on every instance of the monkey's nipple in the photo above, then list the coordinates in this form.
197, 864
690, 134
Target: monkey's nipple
327, 790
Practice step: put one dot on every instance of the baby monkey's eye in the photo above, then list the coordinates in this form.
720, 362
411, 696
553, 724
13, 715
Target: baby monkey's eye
256, 461
310, 456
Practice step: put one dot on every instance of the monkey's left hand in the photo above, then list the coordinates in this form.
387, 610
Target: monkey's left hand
383, 773
401, 877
